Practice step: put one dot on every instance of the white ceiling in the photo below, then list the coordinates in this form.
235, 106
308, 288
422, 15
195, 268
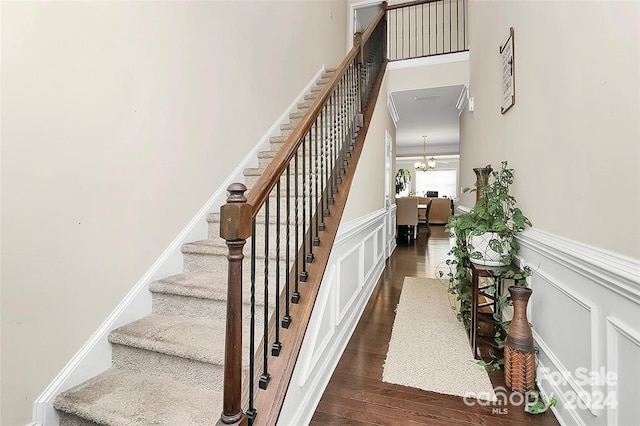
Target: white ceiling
427, 112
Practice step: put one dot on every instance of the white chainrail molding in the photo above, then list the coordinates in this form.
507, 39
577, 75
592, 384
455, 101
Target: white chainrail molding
95, 355
356, 263
585, 312
428, 60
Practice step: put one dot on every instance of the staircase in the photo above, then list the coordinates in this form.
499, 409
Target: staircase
167, 368
190, 362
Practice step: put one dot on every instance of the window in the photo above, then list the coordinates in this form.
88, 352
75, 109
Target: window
443, 181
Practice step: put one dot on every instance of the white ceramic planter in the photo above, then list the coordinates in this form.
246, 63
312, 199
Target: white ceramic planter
480, 243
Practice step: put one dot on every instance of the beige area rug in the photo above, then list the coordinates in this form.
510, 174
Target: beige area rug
429, 348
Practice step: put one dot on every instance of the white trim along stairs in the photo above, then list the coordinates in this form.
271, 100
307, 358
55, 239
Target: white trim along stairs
164, 361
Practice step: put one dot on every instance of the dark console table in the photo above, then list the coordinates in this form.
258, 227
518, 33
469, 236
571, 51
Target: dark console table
486, 291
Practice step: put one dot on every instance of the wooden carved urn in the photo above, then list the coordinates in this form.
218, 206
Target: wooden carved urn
519, 352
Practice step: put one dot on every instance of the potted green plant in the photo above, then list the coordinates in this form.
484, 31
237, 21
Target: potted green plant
494, 221
496, 218
403, 179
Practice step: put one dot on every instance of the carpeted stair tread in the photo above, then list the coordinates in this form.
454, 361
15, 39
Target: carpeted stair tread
305, 104
185, 337
218, 247
278, 139
272, 153
258, 171
126, 398
311, 96
215, 246
203, 285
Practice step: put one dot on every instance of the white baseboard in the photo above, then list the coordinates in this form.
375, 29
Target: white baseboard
359, 243
95, 355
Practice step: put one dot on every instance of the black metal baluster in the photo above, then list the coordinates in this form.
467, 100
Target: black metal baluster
318, 197
409, 31
350, 92
324, 198
327, 169
344, 120
396, 12
333, 187
304, 275
354, 96
277, 345
286, 320
295, 298
337, 136
310, 257
340, 132
251, 412
265, 377
457, 26
415, 29
464, 23
422, 27
343, 123
359, 89
403, 27
443, 25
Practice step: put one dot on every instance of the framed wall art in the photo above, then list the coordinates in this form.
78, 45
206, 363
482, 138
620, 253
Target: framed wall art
508, 73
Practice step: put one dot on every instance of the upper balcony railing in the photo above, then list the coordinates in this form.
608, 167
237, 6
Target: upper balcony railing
426, 28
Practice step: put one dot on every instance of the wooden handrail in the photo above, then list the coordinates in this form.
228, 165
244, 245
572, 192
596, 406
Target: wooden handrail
274, 170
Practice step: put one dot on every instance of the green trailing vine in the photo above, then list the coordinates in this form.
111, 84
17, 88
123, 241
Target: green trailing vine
495, 211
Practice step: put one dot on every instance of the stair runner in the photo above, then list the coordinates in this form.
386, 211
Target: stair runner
167, 367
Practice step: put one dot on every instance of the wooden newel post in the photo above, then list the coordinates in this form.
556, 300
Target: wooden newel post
235, 228
357, 41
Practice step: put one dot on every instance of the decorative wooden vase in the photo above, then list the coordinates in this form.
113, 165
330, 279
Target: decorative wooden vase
519, 352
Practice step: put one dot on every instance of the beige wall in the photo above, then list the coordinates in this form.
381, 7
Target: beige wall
573, 134
120, 119
367, 189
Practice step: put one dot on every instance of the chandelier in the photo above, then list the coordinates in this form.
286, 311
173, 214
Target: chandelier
425, 164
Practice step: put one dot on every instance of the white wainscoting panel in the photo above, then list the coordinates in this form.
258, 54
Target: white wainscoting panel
585, 312
390, 225
623, 354
580, 328
356, 263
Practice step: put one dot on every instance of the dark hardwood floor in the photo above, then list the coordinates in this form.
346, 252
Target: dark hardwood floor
356, 394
